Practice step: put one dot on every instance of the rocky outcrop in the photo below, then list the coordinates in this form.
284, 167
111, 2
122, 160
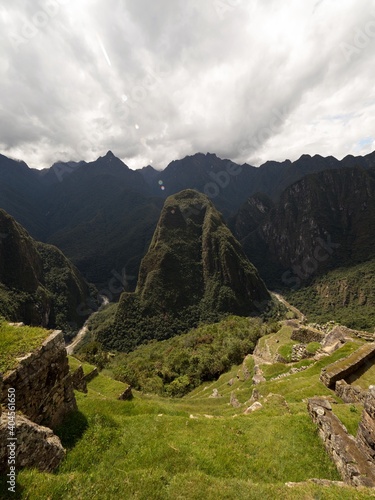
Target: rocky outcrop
215, 394
36, 446
194, 271
78, 380
127, 395
345, 367
350, 393
258, 376
44, 390
254, 407
320, 222
351, 461
234, 401
195, 260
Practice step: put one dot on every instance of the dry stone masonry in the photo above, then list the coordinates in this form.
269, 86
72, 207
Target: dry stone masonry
353, 456
306, 335
43, 396
344, 368
366, 428
43, 383
350, 393
37, 446
78, 380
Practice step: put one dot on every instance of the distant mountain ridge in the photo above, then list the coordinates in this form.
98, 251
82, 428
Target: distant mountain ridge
229, 184
102, 214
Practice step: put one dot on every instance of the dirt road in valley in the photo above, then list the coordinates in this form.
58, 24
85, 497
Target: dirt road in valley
77, 339
281, 299
83, 331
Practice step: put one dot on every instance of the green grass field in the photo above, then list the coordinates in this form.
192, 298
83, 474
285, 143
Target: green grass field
16, 341
74, 363
197, 447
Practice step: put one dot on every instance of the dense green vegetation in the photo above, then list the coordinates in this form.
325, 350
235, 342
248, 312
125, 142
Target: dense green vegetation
176, 366
187, 444
16, 341
38, 285
71, 297
195, 271
346, 295
102, 216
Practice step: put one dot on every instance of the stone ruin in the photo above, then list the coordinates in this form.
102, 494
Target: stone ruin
354, 457
44, 395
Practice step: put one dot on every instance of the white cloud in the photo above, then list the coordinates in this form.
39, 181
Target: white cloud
251, 81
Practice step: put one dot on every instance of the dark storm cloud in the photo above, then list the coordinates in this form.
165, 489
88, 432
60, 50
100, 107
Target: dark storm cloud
153, 81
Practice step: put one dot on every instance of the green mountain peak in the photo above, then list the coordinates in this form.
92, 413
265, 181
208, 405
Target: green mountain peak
195, 270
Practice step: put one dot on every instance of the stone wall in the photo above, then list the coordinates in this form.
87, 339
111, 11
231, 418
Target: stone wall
299, 352
366, 428
345, 367
90, 376
78, 380
351, 461
44, 391
350, 393
36, 446
306, 335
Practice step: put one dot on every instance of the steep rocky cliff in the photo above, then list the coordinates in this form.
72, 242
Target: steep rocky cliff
38, 285
320, 222
194, 270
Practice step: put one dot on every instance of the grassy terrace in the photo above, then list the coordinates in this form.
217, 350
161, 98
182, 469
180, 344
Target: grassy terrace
340, 368
365, 376
75, 363
197, 447
16, 341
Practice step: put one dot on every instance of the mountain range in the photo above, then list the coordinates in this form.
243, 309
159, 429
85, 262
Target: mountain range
102, 214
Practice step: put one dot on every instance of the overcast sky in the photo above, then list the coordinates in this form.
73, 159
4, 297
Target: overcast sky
156, 80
